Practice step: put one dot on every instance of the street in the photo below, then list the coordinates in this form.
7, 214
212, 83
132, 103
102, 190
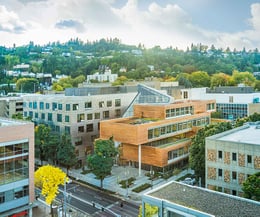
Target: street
96, 202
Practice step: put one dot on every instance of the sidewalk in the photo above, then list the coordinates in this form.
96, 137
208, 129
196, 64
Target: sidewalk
120, 173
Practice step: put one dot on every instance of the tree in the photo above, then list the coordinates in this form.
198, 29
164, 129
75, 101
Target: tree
219, 79
66, 152
27, 85
251, 187
42, 134
246, 78
150, 211
101, 161
48, 178
197, 149
199, 79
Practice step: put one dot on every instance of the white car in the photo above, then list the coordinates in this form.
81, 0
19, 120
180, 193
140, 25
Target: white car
189, 181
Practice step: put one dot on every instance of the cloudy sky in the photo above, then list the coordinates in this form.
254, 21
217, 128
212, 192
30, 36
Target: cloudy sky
176, 23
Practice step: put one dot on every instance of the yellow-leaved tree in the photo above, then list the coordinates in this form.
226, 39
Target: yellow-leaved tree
48, 178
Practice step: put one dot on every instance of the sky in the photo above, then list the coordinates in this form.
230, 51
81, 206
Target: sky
176, 23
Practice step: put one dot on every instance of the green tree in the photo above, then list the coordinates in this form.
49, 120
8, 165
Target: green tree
251, 187
150, 211
27, 85
199, 79
197, 149
101, 161
219, 79
66, 152
246, 78
42, 134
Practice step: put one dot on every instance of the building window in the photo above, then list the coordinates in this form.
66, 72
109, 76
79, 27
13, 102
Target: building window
231, 99
60, 106
109, 103
30, 104
249, 159
2, 197
234, 175
117, 102
234, 156
220, 155
88, 105
89, 127
105, 114
80, 117
43, 116
101, 104
234, 192
34, 105
36, 115
81, 129
49, 116
75, 107
220, 172
67, 118
118, 113
89, 116
97, 115
67, 107
185, 94
41, 105
59, 117
47, 105
54, 106
67, 129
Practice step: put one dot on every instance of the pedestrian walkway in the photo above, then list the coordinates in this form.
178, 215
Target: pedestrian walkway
120, 173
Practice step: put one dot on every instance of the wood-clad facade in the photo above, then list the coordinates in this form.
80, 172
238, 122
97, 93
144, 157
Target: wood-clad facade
158, 135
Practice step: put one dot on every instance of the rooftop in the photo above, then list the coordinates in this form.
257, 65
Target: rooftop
249, 133
9, 122
205, 200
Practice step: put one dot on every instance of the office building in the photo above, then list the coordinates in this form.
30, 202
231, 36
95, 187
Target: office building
156, 132
16, 166
231, 102
10, 106
77, 115
231, 157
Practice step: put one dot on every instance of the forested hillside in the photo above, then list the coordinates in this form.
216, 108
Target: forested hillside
76, 58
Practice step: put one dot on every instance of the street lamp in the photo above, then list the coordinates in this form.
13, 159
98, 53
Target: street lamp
151, 177
126, 175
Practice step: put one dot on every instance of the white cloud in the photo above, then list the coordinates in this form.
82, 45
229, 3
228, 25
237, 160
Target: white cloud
167, 25
10, 22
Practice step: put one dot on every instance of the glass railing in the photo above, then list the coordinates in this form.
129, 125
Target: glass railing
174, 143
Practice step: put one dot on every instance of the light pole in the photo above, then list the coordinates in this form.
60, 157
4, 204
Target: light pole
65, 197
151, 176
126, 175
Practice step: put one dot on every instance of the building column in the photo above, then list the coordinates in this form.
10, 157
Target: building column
139, 159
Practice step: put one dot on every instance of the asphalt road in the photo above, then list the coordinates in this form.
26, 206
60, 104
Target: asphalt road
98, 203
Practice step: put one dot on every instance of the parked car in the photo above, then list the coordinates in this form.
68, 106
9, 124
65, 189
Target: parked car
189, 181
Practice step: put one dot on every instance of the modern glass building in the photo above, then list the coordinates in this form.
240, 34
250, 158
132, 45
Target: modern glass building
16, 166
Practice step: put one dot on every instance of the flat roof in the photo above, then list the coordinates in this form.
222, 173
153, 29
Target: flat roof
249, 133
205, 200
11, 122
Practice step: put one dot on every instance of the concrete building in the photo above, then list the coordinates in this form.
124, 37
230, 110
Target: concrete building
105, 76
10, 106
156, 133
78, 116
175, 199
231, 157
16, 166
231, 102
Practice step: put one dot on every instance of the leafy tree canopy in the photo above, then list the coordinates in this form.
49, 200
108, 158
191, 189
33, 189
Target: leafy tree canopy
48, 178
101, 161
251, 187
